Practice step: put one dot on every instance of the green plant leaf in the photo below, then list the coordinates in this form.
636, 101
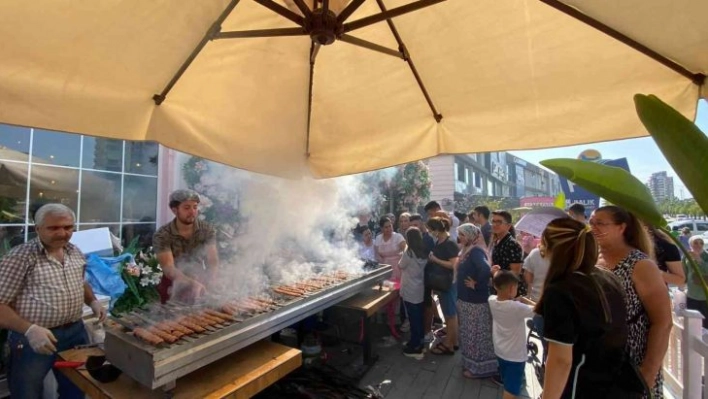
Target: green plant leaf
683, 144
611, 183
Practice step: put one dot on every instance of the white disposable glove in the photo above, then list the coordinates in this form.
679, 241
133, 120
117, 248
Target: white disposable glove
41, 340
98, 310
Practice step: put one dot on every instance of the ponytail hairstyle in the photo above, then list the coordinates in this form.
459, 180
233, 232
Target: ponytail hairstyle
438, 224
571, 247
634, 234
415, 244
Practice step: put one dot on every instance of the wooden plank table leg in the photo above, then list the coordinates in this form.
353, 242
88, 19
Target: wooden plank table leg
369, 356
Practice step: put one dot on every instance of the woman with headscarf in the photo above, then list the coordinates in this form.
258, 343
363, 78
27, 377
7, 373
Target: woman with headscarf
404, 222
625, 245
473, 313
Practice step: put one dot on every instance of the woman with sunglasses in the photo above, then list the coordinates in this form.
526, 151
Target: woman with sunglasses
625, 245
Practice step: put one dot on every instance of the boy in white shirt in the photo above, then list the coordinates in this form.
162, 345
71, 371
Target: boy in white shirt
509, 331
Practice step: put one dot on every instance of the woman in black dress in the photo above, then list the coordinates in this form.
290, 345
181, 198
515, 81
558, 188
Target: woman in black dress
584, 314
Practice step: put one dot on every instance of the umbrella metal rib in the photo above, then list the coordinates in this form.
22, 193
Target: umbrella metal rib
262, 33
314, 50
696, 78
210, 34
323, 27
369, 45
386, 15
285, 12
406, 56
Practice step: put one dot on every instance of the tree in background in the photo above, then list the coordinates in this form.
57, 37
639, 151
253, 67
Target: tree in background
674, 206
398, 189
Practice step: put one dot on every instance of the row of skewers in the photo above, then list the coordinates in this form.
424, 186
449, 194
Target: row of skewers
172, 323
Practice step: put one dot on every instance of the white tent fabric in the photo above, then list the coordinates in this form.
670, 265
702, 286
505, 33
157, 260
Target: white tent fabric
504, 74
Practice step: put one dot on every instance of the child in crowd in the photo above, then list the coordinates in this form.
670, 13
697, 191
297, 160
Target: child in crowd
412, 265
509, 330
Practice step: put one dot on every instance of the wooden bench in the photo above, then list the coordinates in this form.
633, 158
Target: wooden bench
366, 304
239, 375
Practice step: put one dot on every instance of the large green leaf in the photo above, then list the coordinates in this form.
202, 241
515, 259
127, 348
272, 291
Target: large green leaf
611, 183
683, 144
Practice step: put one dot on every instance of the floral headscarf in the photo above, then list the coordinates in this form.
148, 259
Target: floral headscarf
473, 234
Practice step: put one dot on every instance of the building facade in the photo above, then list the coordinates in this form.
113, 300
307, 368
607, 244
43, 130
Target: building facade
493, 174
108, 183
661, 186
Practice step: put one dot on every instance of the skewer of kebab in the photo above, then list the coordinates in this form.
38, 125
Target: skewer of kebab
153, 329
285, 291
166, 325
176, 318
141, 333
292, 289
307, 287
257, 305
265, 302
188, 318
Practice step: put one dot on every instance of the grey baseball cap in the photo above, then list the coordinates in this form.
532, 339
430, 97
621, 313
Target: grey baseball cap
184, 195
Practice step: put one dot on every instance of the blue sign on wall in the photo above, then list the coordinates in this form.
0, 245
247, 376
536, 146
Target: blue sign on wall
577, 194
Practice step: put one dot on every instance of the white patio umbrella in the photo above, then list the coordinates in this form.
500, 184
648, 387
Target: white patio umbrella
256, 84
537, 219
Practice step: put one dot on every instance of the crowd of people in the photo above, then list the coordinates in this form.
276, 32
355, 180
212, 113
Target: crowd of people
596, 289
595, 286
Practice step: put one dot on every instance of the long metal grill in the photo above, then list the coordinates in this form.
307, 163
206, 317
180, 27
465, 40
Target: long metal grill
133, 348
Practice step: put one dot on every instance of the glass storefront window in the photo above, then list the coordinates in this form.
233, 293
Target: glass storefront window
52, 184
102, 154
143, 232
97, 178
139, 199
13, 191
100, 197
141, 158
56, 148
14, 143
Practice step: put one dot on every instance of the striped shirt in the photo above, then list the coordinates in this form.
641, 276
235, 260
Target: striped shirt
39, 288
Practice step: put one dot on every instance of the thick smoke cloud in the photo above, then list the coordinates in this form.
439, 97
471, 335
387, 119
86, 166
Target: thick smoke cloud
289, 229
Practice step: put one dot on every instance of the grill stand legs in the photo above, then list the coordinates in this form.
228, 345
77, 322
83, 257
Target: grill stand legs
168, 389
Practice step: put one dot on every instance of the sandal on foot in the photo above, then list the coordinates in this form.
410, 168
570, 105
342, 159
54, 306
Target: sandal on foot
441, 349
467, 374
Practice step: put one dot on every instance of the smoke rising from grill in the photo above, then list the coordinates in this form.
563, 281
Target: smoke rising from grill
288, 229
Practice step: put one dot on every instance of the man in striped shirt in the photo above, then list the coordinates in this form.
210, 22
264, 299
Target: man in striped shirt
42, 292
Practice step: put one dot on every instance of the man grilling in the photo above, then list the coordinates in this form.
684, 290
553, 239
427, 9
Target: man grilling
185, 249
42, 292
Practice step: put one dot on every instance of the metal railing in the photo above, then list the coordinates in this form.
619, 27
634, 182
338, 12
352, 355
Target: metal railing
685, 361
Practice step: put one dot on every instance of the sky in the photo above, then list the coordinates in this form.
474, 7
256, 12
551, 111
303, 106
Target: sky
643, 156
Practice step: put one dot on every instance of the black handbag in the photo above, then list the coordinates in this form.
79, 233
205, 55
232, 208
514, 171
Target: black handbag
438, 278
629, 383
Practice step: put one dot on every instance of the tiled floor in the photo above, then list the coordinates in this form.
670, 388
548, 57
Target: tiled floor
434, 376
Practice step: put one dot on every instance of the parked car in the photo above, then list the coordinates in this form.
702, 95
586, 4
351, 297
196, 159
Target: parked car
698, 227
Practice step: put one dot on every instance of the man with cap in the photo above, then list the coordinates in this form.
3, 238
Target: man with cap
185, 249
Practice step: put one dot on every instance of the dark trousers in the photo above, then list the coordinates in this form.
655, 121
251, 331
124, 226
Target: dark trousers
699, 305
28, 368
415, 317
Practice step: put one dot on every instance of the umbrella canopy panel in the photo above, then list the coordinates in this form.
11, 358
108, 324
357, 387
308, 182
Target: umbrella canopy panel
504, 75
